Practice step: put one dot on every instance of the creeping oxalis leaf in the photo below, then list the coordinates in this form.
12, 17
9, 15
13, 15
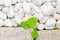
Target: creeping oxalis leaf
55, 27
34, 34
24, 25
32, 22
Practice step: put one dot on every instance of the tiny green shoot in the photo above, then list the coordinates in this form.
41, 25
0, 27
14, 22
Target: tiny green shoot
31, 23
55, 27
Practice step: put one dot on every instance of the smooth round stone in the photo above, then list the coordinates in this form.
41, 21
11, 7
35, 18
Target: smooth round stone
14, 23
44, 19
56, 16
27, 17
40, 26
37, 12
35, 8
1, 22
3, 16
26, 7
5, 9
29, 0
11, 12
50, 0
39, 16
21, 13
58, 24
14, 1
7, 2
17, 19
15, 10
18, 5
48, 10
48, 4
50, 23
58, 9
54, 4
1, 2
58, 2
38, 2
8, 23
20, 0
1, 7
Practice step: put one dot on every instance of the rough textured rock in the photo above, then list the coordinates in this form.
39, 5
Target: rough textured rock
21, 34
49, 35
15, 34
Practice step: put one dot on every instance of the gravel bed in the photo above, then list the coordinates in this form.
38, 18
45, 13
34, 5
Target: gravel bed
12, 12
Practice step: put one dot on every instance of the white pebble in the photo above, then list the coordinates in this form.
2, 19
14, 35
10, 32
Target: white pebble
48, 10
58, 9
17, 19
14, 23
44, 19
40, 26
11, 12
18, 5
58, 2
26, 17
15, 9
54, 4
1, 2
7, 2
2, 15
14, 1
36, 9
1, 22
48, 4
26, 7
1, 7
58, 24
49, 0
21, 13
38, 2
56, 16
50, 23
8, 22
5, 9
20, 0
39, 15
28, 0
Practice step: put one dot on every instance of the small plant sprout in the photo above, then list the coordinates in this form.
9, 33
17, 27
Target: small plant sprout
55, 27
31, 23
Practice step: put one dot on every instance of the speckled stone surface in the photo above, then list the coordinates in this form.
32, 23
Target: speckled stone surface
15, 34
21, 34
49, 35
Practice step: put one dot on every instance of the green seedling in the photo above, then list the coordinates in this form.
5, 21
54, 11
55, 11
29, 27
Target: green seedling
55, 27
31, 23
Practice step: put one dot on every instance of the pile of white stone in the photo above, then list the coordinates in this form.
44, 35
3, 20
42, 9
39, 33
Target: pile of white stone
12, 12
